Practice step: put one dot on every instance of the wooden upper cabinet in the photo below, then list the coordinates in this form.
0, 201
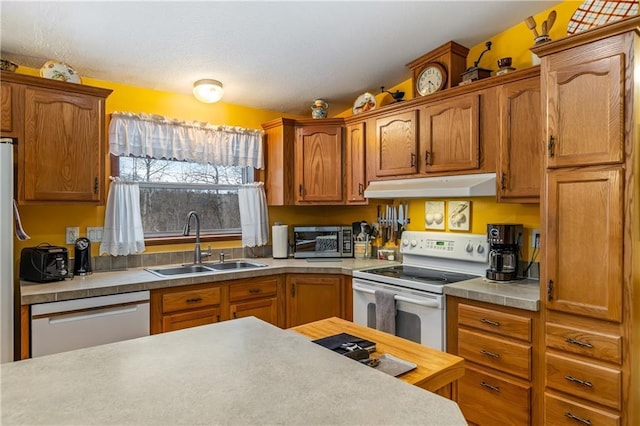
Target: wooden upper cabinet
63, 146
279, 175
6, 108
584, 221
396, 144
450, 139
319, 166
520, 166
583, 95
355, 163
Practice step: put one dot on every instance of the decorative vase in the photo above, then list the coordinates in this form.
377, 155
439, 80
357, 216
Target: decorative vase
319, 109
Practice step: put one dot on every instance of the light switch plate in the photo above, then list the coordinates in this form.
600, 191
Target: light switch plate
72, 234
94, 233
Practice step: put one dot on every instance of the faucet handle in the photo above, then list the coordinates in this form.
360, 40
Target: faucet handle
221, 257
207, 253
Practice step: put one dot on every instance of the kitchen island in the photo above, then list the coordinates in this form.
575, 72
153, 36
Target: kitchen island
243, 371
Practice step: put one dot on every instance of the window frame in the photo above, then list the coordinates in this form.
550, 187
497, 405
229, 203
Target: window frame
179, 239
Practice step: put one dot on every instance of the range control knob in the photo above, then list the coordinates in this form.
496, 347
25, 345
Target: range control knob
414, 243
469, 248
480, 249
405, 242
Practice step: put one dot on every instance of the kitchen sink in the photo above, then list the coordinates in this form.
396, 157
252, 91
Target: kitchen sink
180, 270
234, 264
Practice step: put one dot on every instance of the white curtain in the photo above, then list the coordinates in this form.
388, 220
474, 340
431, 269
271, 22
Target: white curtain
123, 233
254, 218
158, 137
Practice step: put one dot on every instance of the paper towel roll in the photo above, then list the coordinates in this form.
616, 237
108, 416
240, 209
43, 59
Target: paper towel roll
280, 240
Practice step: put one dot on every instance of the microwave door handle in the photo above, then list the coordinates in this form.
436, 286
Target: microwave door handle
427, 303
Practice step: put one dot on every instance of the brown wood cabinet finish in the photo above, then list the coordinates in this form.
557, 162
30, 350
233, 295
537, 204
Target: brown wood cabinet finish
355, 163
584, 213
397, 144
312, 297
175, 308
519, 170
279, 179
494, 321
61, 139
6, 108
450, 140
561, 411
188, 319
265, 309
319, 159
587, 81
590, 98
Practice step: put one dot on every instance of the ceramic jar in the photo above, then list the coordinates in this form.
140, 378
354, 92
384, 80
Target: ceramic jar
319, 109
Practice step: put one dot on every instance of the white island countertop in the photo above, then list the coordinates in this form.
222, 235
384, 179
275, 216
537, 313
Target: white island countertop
243, 371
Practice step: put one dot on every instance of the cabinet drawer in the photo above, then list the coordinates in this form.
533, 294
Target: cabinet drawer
503, 355
489, 400
190, 299
189, 319
584, 380
560, 411
252, 290
588, 343
495, 322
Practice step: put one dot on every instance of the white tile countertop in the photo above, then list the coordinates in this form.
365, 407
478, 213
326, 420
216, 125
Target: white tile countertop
522, 294
234, 372
137, 279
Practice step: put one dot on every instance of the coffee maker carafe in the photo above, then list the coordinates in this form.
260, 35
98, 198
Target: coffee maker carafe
504, 245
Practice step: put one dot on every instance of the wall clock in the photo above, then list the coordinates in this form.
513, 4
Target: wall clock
431, 79
451, 56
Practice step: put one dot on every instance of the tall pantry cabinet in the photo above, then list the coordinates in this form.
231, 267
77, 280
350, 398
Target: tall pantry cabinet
590, 278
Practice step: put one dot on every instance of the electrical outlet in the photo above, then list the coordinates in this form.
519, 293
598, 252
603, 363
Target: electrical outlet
535, 238
94, 233
72, 234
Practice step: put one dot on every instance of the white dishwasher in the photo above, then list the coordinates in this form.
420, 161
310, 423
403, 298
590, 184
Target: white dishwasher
80, 323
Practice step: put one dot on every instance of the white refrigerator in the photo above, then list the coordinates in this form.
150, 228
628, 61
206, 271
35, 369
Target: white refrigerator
6, 250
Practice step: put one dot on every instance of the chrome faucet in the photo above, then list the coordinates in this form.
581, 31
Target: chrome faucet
197, 255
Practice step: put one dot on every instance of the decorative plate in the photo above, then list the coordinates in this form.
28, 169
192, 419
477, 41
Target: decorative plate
594, 13
60, 71
365, 102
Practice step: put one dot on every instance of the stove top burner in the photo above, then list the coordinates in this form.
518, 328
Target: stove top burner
431, 276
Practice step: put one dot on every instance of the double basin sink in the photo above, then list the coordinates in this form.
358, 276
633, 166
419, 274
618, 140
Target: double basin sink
205, 268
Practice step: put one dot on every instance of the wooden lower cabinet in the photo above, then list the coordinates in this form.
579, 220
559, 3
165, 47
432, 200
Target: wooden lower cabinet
257, 297
193, 318
176, 308
562, 411
264, 309
312, 297
499, 345
488, 399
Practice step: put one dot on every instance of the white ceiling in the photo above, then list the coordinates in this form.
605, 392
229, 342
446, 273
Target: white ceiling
272, 55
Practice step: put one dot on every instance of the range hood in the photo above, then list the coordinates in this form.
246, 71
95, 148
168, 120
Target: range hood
478, 185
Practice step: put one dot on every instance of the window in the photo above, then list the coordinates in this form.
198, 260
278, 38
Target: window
170, 189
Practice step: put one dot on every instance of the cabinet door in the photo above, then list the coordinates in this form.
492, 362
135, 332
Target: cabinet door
264, 309
583, 98
520, 166
62, 152
319, 164
396, 144
312, 298
6, 108
583, 235
451, 136
187, 319
355, 164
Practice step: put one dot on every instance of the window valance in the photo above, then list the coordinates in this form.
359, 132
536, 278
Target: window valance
158, 137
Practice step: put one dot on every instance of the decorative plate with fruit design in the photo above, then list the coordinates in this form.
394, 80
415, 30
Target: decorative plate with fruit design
60, 71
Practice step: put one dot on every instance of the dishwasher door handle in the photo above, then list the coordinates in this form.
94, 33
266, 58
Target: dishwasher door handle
83, 315
427, 303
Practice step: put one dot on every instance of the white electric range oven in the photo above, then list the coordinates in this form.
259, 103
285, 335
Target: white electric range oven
430, 260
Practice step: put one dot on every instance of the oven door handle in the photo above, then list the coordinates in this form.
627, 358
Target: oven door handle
427, 303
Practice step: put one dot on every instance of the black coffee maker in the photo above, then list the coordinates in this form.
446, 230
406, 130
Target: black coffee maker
82, 259
504, 245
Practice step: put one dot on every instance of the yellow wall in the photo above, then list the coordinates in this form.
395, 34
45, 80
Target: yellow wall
47, 223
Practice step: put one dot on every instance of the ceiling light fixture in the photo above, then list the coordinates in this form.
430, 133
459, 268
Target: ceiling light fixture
208, 90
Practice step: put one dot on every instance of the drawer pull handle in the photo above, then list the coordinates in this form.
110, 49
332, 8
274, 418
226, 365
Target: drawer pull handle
194, 300
488, 386
579, 343
577, 419
578, 381
254, 290
491, 354
494, 323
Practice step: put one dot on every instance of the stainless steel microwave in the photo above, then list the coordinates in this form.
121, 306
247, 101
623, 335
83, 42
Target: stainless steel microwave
322, 241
